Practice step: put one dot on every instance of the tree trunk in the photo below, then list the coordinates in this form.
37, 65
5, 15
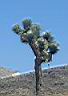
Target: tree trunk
38, 73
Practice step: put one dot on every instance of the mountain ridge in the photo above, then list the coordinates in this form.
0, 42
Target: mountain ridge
54, 83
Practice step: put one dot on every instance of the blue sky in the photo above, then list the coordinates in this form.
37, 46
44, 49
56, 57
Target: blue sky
52, 15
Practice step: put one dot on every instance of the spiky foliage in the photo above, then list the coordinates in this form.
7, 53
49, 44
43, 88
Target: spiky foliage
43, 46
17, 29
48, 36
27, 24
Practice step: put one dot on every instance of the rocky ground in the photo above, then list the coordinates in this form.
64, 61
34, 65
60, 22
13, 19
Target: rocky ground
54, 83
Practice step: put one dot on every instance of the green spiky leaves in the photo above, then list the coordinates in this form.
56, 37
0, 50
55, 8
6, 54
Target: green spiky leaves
54, 48
36, 30
27, 24
48, 36
17, 29
47, 56
30, 34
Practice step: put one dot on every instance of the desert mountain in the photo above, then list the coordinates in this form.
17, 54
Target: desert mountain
54, 83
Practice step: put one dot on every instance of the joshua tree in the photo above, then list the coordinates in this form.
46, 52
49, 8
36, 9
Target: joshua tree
43, 46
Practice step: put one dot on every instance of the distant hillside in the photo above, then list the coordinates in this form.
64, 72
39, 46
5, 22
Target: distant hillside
5, 72
55, 83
